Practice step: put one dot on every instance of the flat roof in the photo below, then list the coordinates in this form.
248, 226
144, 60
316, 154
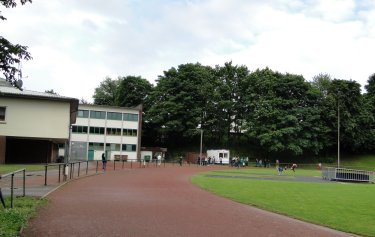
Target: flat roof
136, 108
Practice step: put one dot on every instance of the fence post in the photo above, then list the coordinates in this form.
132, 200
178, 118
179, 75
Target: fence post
11, 191
45, 175
114, 164
24, 182
59, 172
79, 167
97, 164
123, 163
71, 170
87, 166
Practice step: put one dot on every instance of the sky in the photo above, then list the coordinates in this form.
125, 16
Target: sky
76, 44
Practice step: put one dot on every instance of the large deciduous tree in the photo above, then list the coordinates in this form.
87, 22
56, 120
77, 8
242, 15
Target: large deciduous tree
345, 97
283, 116
12, 54
106, 93
229, 107
132, 91
180, 100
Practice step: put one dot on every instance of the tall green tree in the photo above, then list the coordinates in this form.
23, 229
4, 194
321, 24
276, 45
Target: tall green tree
229, 96
322, 82
106, 92
283, 115
12, 54
370, 86
180, 102
132, 91
345, 97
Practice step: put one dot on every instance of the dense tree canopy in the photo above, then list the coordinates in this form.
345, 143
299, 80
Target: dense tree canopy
106, 93
12, 54
283, 116
263, 112
132, 91
179, 101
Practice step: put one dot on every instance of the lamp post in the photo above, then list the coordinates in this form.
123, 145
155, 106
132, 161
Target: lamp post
338, 135
200, 150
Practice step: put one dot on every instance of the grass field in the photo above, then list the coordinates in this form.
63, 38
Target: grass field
365, 162
7, 168
349, 207
12, 220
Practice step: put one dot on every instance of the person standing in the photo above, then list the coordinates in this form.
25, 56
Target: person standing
159, 159
104, 162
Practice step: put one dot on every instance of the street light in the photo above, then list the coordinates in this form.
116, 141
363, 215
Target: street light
338, 135
200, 150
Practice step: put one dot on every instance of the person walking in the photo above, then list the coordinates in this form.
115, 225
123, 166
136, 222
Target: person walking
104, 162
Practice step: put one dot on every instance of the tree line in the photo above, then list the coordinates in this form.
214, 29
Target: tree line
262, 113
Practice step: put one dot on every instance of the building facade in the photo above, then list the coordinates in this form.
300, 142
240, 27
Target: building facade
114, 131
32, 124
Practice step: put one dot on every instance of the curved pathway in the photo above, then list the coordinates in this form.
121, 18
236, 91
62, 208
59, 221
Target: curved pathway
156, 202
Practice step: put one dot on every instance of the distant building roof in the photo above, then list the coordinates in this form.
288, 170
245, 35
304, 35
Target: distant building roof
7, 90
137, 108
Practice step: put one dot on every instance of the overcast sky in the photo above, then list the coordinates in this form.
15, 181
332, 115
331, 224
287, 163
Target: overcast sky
75, 44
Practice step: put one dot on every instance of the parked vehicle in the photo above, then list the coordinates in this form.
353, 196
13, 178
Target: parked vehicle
219, 156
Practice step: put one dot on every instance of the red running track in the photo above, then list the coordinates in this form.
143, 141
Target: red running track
156, 202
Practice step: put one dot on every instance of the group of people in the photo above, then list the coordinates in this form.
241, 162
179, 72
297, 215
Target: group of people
280, 168
238, 162
262, 163
208, 161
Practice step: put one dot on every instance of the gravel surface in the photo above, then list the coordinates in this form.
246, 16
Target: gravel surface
156, 202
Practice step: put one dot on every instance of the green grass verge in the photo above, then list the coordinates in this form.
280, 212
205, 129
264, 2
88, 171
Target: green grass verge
344, 206
12, 220
364, 162
7, 168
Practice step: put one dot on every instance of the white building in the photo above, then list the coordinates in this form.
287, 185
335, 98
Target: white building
115, 131
32, 124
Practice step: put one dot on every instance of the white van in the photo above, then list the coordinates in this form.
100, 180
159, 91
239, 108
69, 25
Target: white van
219, 155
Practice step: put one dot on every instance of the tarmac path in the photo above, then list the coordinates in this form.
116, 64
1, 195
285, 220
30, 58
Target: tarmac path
156, 202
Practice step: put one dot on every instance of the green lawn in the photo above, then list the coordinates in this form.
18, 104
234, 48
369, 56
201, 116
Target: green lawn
363, 162
12, 220
7, 168
349, 207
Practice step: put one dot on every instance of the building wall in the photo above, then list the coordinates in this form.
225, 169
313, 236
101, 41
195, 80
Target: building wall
106, 139
31, 118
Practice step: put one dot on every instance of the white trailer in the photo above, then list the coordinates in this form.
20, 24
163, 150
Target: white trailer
219, 155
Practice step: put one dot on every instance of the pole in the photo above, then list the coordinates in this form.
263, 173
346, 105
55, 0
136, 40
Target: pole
338, 135
45, 175
24, 183
200, 150
11, 190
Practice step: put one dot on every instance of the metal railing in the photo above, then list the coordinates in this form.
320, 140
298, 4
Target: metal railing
71, 166
12, 186
344, 174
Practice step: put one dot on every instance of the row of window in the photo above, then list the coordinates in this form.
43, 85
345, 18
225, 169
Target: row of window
111, 146
110, 115
100, 130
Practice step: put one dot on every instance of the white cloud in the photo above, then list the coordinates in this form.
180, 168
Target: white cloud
77, 43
